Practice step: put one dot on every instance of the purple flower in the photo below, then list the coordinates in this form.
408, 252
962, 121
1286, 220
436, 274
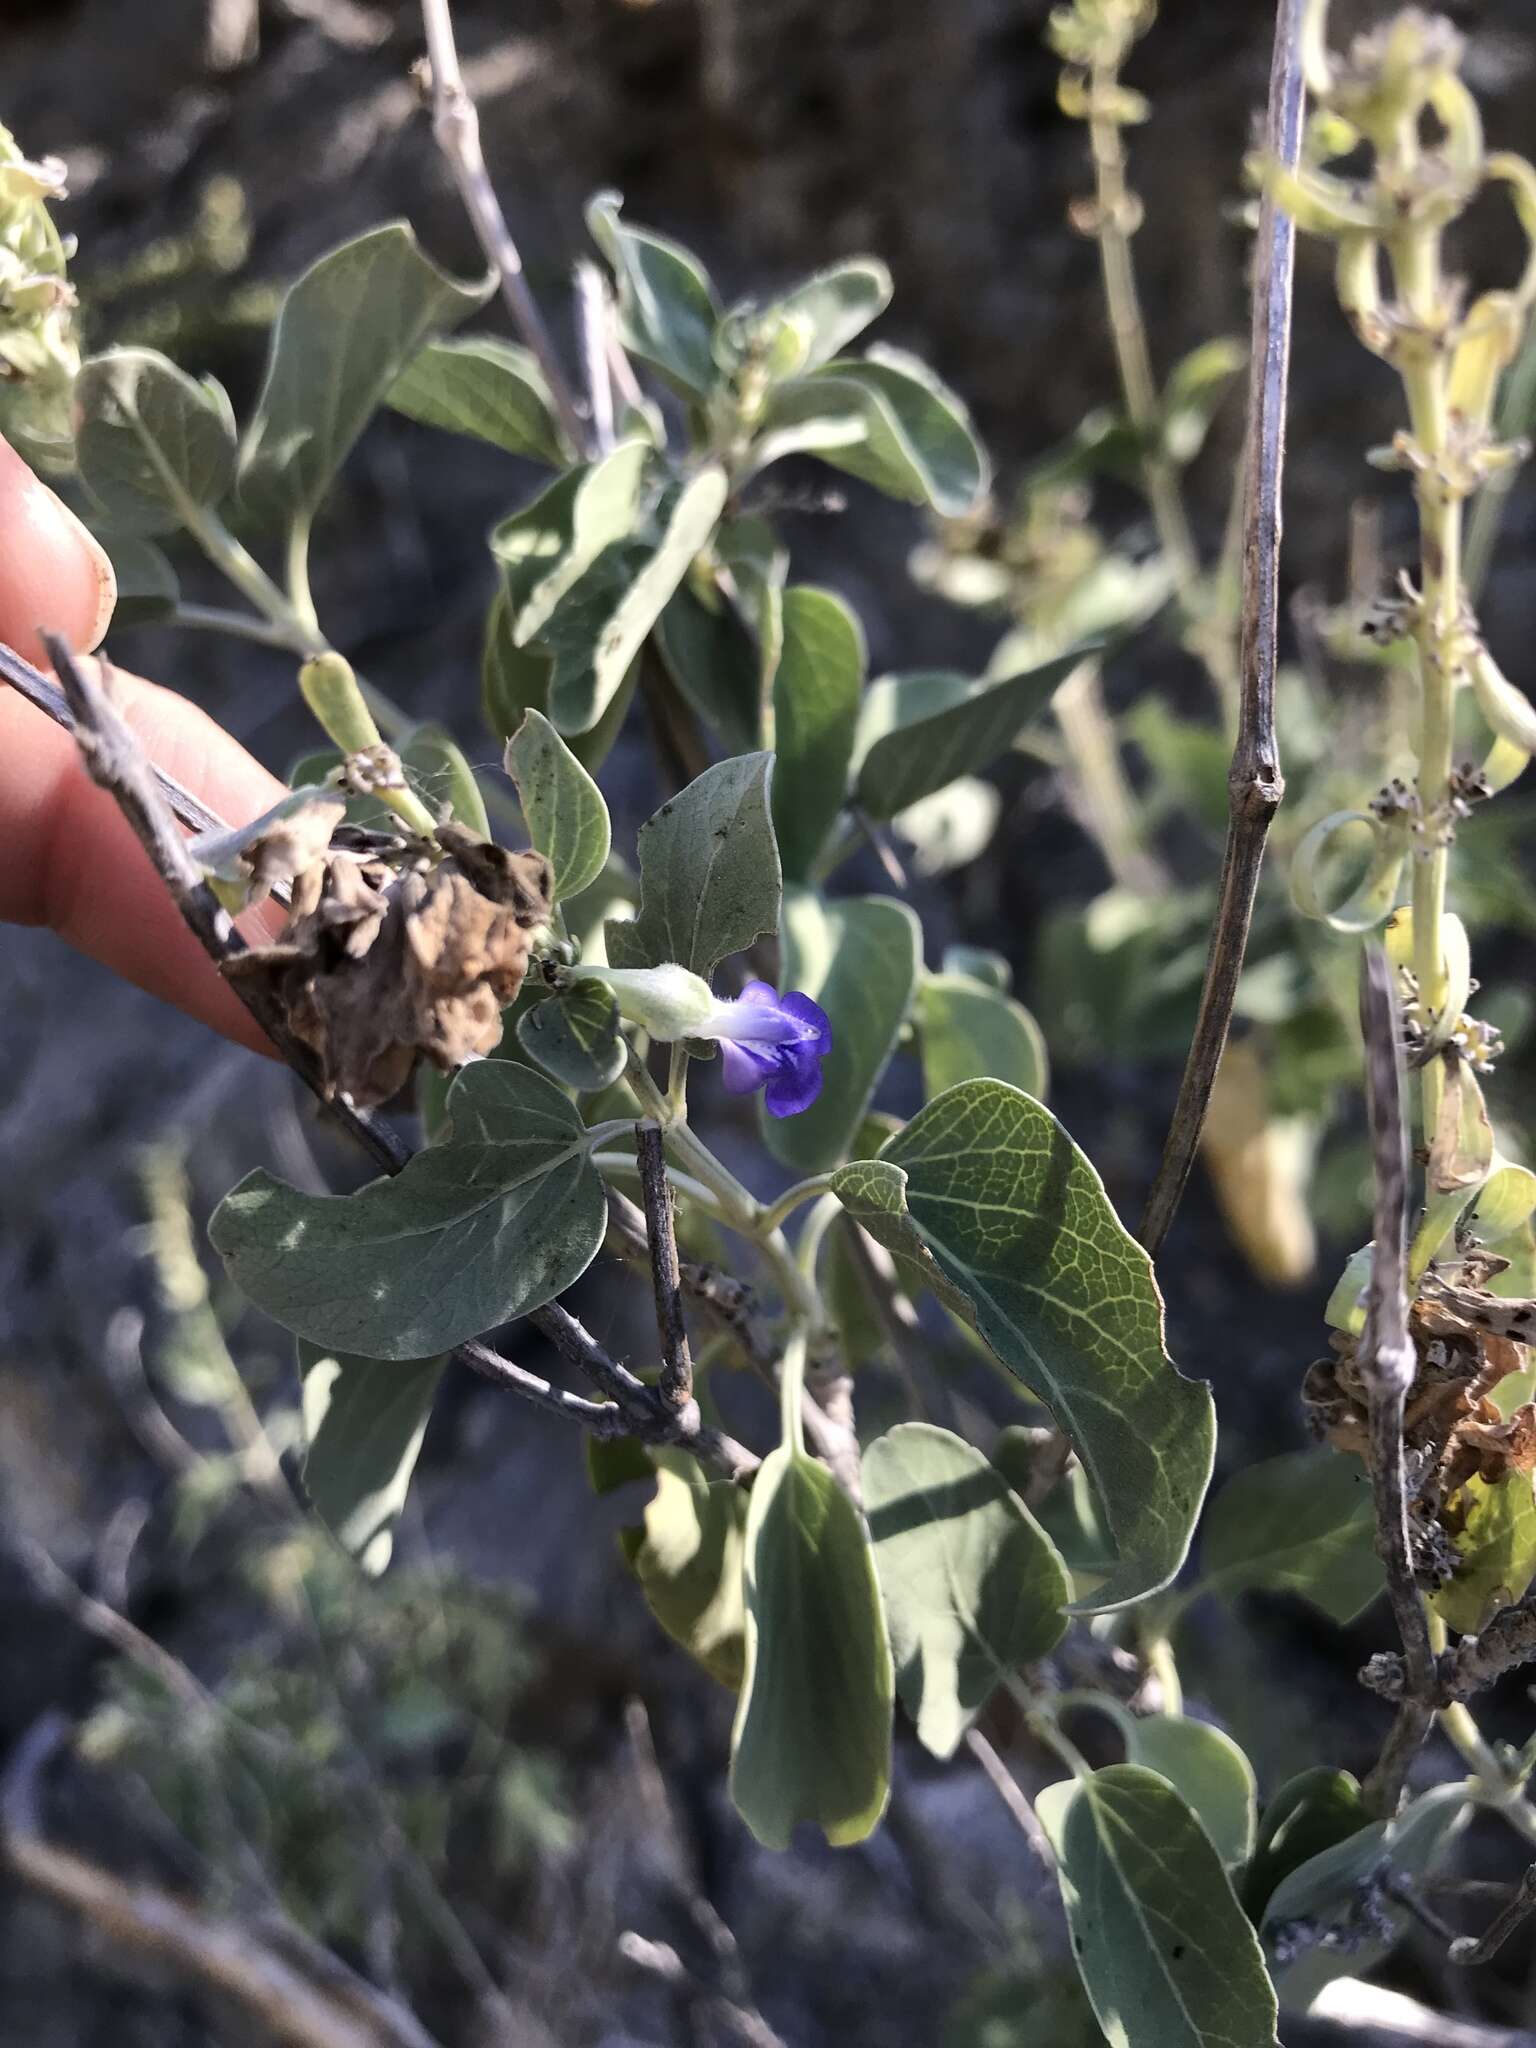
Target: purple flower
773, 1042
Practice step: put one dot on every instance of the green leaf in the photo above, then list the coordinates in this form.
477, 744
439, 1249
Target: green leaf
513, 679
1375, 892
690, 1560
812, 1739
1167, 1955
874, 1193
859, 957
885, 418
485, 387
147, 586
1496, 1547
364, 1419
815, 711
563, 807
980, 963
1208, 1771
974, 1589
1018, 1219
918, 732
499, 1218
1325, 1898
443, 778
575, 1036
547, 546
345, 331
1195, 388
970, 1032
667, 310
709, 872
712, 658
833, 306
1300, 1523
602, 622
154, 445
1312, 1812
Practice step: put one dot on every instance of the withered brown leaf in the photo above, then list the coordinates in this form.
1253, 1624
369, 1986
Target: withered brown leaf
375, 969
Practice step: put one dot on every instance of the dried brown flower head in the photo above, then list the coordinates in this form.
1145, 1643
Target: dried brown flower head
376, 968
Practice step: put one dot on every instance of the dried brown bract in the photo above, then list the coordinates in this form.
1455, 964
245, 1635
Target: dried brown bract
1467, 1341
377, 967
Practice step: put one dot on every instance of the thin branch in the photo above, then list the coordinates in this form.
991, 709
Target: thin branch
31, 683
593, 327
1011, 1793
1255, 784
666, 1279
115, 759
729, 1303
304, 1996
1473, 1949
456, 125
1477, 1662
1386, 1362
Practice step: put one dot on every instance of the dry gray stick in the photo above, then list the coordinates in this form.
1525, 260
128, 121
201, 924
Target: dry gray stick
1473, 1949
1386, 1361
116, 761
1477, 1662
1255, 784
676, 1383
298, 2001
456, 125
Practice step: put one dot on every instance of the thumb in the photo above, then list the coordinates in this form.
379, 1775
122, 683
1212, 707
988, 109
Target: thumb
52, 572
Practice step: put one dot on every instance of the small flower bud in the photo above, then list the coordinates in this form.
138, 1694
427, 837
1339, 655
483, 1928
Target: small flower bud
669, 1002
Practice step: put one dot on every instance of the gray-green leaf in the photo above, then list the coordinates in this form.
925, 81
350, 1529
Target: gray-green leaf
874, 1192
563, 807
1300, 1523
815, 711
154, 445
147, 585
711, 656
918, 732
974, 1588
499, 1218
886, 418
859, 958
546, 546
485, 387
1019, 1220
971, 1032
575, 1036
364, 1419
833, 306
812, 1739
602, 621
667, 309
1208, 1771
1167, 1955
345, 331
709, 872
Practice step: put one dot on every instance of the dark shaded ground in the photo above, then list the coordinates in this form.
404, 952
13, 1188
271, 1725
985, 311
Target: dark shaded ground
773, 138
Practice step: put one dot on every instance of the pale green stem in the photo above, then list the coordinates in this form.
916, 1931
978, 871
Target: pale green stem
1129, 334
1040, 1719
208, 618
622, 1166
1158, 1652
299, 593
791, 1199
1494, 1785
792, 1392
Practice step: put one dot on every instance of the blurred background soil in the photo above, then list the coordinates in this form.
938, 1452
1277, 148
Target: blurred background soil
773, 136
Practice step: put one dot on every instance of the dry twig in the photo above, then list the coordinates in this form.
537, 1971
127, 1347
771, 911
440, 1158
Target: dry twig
1387, 1362
456, 125
1255, 784
302, 1993
1473, 1949
676, 1384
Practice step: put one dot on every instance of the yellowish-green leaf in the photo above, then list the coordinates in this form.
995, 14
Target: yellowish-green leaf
1299, 1523
563, 807
689, 1561
364, 1419
1496, 1551
812, 1740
